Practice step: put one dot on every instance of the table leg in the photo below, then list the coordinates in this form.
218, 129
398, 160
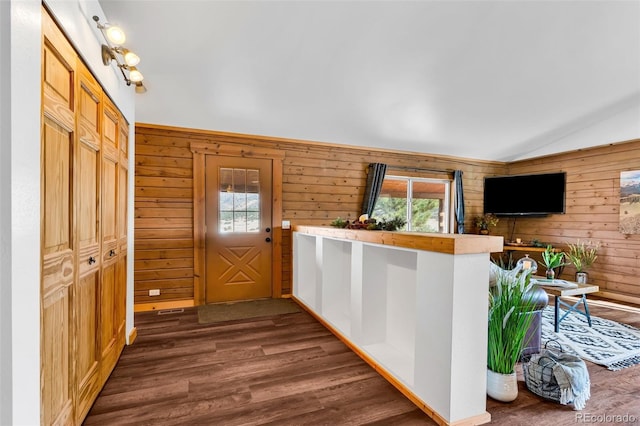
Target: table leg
586, 309
556, 308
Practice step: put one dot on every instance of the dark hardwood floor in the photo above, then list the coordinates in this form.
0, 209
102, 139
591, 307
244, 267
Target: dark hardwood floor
289, 370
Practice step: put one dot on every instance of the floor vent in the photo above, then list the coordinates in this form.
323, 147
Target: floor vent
171, 311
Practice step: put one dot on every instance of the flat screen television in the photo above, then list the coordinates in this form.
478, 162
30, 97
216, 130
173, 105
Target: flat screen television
525, 195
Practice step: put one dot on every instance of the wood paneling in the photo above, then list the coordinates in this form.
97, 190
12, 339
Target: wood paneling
319, 183
163, 219
592, 209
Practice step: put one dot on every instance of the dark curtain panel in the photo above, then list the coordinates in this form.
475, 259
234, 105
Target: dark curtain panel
459, 204
375, 177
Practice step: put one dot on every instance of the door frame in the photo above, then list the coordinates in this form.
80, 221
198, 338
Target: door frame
200, 150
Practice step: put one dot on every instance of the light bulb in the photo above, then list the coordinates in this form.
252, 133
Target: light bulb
130, 58
135, 76
115, 35
140, 88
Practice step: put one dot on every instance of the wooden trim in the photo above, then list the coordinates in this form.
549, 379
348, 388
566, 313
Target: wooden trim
200, 150
587, 150
276, 220
244, 138
476, 420
439, 243
133, 334
199, 232
235, 150
158, 306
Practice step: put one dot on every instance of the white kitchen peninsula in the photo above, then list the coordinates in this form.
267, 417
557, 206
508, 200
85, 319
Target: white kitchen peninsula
412, 305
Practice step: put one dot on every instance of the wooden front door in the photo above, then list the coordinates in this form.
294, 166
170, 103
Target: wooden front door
238, 228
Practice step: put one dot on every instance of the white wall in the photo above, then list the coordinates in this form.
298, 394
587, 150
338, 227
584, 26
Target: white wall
619, 122
20, 49
21, 229
5, 216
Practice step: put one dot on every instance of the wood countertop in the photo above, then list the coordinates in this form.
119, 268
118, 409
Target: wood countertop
440, 243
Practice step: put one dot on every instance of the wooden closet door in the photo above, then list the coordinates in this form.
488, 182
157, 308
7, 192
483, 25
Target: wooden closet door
86, 301
58, 224
121, 275
109, 207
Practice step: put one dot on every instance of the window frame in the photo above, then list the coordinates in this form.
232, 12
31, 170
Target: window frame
448, 196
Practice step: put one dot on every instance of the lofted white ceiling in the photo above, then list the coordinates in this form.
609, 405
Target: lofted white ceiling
497, 80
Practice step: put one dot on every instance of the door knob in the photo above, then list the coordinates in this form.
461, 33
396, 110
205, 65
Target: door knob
112, 253
92, 260
268, 230
268, 239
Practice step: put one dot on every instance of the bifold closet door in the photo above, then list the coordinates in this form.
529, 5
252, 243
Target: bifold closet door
58, 257
121, 270
87, 294
109, 206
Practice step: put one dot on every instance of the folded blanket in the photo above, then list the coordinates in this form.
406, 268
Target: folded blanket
558, 376
573, 379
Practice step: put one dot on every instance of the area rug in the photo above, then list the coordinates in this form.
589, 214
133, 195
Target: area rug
219, 312
607, 343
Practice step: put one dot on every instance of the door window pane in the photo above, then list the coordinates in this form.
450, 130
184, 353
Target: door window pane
239, 200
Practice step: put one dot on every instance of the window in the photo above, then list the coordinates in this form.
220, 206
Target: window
423, 202
239, 202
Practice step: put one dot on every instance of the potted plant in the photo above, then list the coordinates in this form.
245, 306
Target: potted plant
552, 259
582, 255
510, 302
485, 221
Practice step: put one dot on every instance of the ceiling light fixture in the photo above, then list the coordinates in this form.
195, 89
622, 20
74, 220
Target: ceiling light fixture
114, 51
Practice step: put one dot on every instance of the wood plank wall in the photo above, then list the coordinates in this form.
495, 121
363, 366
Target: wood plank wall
592, 213
320, 182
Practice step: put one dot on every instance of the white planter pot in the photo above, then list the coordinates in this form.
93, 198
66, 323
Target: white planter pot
502, 387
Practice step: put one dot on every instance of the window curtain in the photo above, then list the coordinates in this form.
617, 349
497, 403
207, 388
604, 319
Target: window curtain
459, 202
375, 177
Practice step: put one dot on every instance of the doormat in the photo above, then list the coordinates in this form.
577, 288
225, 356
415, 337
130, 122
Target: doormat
606, 342
230, 311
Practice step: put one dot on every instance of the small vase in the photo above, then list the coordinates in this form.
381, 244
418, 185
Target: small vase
484, 231
502, 387
582, 277
551, 274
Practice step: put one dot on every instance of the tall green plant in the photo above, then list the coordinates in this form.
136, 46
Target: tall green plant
510, 304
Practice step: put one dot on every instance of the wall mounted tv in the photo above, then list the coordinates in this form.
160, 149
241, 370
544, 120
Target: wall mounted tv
525, 195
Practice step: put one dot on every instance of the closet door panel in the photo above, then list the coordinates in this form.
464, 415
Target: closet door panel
110, 249
121, 282
87, 352
57, 225
57, 190
121, 301
109, 208
87, 343
57, 402
109, 353
88, 207
109, 181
